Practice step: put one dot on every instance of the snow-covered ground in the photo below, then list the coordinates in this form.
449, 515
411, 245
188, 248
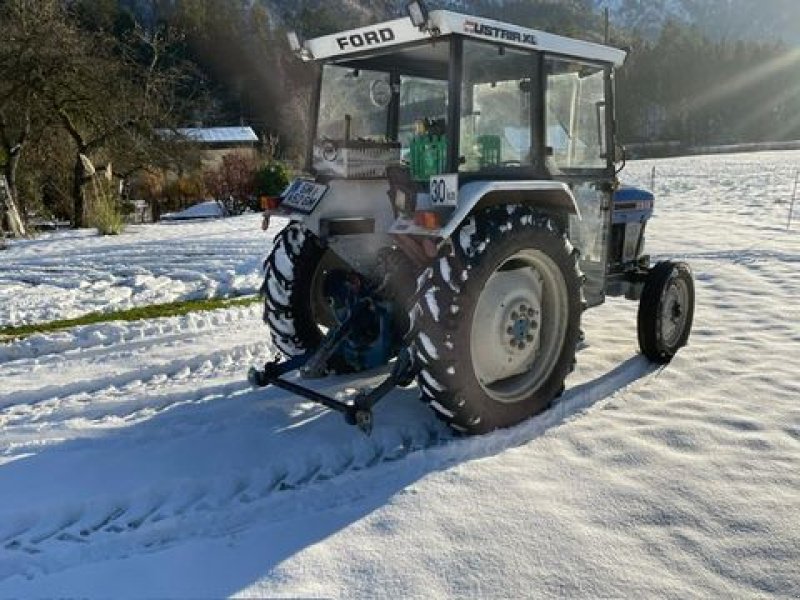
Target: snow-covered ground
136, 462
71, 273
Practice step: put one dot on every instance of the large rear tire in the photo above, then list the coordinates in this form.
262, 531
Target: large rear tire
498, 320
666, 311
295, 308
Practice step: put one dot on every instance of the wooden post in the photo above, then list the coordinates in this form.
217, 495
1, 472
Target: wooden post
8, 208
607, 24
794, 197
653, 180
3, 243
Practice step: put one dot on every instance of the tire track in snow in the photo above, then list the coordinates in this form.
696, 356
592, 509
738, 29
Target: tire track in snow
154, 520
129, 355
124, 383
210, 508
32, 405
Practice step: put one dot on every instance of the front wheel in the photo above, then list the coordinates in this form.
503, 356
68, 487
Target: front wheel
498, 321
666, 311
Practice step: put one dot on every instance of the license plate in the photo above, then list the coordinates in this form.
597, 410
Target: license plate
304, 196
444, 190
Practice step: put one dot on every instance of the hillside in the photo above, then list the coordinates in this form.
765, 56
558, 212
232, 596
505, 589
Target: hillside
766, 20
757, 21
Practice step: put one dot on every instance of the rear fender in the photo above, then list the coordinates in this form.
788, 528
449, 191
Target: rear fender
549, 196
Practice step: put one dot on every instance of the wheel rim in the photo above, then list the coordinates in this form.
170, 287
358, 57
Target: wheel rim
674, 312
519, 326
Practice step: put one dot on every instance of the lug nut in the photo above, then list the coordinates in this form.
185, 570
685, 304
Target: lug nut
510, 331
514, 316
530, 312
529, 338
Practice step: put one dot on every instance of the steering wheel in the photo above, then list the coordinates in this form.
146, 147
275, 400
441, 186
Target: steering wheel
330, 150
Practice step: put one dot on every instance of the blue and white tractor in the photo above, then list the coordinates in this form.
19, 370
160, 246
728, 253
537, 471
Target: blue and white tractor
462, 211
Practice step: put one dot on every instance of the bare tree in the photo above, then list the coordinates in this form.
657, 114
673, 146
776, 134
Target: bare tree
106, 92
102, 103
30, 55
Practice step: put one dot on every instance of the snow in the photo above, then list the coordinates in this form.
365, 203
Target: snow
433, 305
428, 345
68, 274
210, 209
135, 461
466, 235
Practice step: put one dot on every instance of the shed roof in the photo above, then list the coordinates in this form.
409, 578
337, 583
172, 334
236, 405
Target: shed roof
216, 135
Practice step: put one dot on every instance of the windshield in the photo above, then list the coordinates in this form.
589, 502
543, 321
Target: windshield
383, 110
354, 104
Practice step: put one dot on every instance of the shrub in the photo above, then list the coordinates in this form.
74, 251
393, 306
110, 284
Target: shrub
272, 179
232, 182
105, 211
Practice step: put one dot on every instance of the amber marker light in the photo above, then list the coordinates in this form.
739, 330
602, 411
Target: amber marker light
427, 219
270, 202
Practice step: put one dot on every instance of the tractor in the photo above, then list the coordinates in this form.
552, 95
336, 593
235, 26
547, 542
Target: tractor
462, 210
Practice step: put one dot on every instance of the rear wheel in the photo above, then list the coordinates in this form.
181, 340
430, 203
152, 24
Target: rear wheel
498, 321
666, 311
295, 307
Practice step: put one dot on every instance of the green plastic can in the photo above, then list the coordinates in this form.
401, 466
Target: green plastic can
428, 156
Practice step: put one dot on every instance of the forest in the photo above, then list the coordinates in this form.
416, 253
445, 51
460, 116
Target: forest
88, 85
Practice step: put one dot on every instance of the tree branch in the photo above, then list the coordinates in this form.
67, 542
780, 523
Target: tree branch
110, 133
71, 129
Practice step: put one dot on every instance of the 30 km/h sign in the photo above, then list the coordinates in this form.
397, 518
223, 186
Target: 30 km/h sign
444, 190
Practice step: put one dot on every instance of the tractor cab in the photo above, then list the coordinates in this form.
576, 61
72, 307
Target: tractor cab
462, 95
469, 109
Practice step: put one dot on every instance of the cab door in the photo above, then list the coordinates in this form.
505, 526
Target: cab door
578, 137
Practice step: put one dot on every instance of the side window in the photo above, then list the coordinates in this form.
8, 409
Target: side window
576, 115
496, 107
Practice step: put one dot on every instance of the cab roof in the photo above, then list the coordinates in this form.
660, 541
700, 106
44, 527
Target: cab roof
382, 36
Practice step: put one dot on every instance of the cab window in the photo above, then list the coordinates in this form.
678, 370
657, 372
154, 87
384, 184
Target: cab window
496, 107
575, 103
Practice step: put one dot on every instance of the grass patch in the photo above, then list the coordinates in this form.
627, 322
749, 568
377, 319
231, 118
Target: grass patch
154, 311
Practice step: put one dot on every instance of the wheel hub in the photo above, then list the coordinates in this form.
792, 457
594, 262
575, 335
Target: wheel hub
673, 315
522, 326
